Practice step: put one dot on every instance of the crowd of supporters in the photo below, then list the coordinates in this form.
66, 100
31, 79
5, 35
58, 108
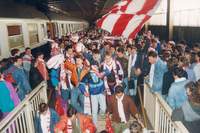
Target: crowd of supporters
93, 73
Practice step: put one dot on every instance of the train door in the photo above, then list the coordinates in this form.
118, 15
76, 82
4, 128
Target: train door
51, 30
56, 29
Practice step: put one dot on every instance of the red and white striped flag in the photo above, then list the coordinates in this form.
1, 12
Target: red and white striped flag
127, 17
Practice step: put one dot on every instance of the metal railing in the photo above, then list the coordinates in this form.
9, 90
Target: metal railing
159, 113
21, 119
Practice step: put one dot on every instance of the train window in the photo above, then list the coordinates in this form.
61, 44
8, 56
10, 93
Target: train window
44, 31
33, 34
15, 36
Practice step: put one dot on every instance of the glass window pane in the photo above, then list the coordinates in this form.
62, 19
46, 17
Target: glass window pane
15, 36
33, 33
14, 30
16, 41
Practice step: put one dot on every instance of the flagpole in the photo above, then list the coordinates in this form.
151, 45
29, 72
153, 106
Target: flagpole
146, 27
170, 19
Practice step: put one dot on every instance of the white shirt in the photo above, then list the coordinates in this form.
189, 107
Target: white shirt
80, 47
134, 60
131, 63
45, 122
127, 131
180, 79
151, 75
121, 109
196, 70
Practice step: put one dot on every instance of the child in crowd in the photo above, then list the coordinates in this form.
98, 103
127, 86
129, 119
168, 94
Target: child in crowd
134, 127
45, 119
73, 122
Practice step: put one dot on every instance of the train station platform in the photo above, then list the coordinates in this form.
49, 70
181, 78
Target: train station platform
158, 114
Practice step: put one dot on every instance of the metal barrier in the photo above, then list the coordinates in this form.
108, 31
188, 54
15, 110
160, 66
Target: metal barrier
159, 113
21, 119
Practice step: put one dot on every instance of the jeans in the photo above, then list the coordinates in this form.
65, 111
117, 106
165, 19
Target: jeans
65, 94
96, 100
27, 74
125, 81
21, 94
133, 91
77, 100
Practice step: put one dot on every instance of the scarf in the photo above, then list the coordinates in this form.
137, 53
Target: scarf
121, 108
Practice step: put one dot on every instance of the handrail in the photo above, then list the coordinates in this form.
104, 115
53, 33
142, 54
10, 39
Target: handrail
160, 113
169, 111
25, 107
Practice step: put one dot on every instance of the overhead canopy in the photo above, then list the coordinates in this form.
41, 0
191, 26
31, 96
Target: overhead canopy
10, 10
89, 10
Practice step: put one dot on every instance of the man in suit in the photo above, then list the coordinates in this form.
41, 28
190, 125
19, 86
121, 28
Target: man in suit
134, 63
138, 68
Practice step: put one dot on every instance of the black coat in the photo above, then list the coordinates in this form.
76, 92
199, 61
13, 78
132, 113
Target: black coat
168, 79
35, 77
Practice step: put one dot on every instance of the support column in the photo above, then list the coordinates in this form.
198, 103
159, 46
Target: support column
170, 19
146, 26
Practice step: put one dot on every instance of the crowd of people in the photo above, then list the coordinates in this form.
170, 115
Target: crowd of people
95, 74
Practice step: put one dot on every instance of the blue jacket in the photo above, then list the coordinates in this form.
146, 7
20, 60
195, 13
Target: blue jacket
160, 69
21, 81
54, 118
54, 77
96, 85
6, 102
191, 75
177, 94
88, 56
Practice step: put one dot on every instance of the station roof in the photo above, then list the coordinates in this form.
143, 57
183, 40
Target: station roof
84, 9
9, 10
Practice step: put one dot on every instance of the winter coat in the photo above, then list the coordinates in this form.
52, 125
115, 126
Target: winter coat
84, 121
73, 68
96, 85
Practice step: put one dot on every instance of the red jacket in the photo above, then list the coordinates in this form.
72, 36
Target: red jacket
85, 124
42, 69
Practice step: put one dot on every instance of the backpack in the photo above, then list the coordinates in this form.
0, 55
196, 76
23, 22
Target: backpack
9, 77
